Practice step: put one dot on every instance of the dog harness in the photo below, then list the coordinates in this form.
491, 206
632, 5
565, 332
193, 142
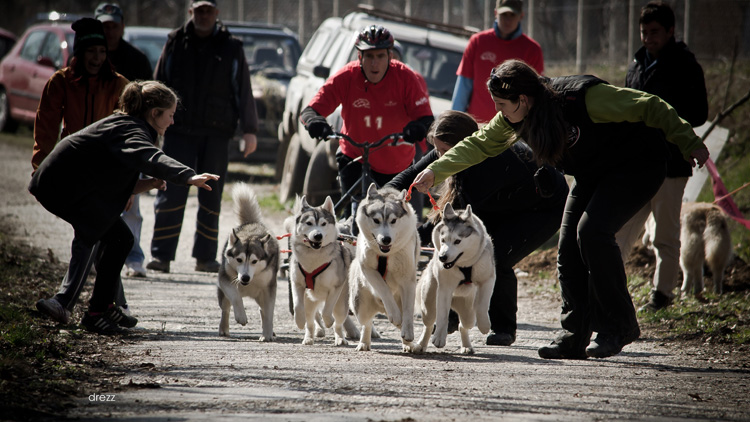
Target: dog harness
467, 275
310, 277
382, 265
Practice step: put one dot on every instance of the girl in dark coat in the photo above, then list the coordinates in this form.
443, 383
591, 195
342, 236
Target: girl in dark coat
87, 180
518, 215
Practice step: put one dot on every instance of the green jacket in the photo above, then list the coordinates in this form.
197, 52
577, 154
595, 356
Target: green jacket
604, 103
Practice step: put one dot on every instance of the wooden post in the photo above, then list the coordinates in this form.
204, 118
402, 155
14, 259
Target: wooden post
446, 11
530, 19
301, 19
686, 35
579, 38
467, 13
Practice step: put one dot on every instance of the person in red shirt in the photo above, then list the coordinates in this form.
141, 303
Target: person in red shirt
379, 96
488, 49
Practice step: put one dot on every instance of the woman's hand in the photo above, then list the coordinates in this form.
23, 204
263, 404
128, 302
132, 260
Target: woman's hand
700, 156
251, 144
200, 180
424, 180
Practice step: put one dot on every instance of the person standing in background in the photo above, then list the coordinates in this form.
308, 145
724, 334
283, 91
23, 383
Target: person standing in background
133, 65
487, 49
666, 68
207, 68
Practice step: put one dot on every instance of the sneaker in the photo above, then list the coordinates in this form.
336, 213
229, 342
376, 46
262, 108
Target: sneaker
99, 324
157, 264
116, 315
135, 269
606, 345
207, 266
125, 309
500, 339
559, 351
658, 301
54, 309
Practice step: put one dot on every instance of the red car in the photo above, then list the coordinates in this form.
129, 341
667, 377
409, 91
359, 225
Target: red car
24, 71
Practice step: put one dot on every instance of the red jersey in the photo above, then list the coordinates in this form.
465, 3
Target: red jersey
372, 111
485, 51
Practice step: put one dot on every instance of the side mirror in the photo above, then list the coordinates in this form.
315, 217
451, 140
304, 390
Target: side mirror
46, 61
321, 72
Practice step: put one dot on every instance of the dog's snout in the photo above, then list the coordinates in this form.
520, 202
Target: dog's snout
318, 237
443, 257
245, 278
387, 240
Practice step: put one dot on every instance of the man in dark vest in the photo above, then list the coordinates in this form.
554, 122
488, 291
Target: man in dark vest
206, 66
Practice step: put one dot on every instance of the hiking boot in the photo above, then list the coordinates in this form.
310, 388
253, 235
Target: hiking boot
207, 266
606, 345
135, 269
54, 309
500, 339
560, 351
157, 264
99, 324
116, 315
658, 301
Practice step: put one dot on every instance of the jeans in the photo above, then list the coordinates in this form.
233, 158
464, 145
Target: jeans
134, 220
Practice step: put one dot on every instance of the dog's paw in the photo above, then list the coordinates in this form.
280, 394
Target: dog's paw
484, 326
308, 341
438, 341
328, 320
407, 347
223, 333
241, 319
340, 341
299, 319
466, 350
362, 347
407, 333
265, 339
395, 319
418, 348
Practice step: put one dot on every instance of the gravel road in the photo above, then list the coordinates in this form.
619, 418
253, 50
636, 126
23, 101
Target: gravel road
178, 368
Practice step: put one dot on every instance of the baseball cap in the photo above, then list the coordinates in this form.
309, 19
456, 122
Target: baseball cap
109, 12
512, 6
199, 3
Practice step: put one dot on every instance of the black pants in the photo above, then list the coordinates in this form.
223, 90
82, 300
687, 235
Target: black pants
349, 174
205, 155
109, 253
514, 237
591, 272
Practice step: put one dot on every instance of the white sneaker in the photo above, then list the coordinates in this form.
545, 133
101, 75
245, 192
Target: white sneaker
125, 310
135, 269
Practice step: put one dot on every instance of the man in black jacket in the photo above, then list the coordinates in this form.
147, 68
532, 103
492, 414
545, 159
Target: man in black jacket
666, 68
206, 66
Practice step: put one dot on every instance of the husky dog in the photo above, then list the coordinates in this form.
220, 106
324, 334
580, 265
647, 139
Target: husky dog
461, 275
250, 261
383, 276
319, 271
704, 237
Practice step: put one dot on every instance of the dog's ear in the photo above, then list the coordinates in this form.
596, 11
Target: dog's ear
328, 205
304, 202
265, 238
448, 212
372, 190
233, 236
466, 215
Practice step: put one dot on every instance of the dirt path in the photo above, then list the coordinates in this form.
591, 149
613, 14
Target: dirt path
177, 367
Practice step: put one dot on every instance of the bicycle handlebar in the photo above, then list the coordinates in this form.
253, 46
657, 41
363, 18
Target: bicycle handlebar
370, 145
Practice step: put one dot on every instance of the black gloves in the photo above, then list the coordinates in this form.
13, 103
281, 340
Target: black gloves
414, 132
319, 129
545, 182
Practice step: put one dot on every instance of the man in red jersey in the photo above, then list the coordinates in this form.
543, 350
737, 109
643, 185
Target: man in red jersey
488, 49
379, 96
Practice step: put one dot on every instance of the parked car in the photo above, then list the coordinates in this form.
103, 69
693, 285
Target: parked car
7, 41
432, 49
149, 39
24, 71
272, 53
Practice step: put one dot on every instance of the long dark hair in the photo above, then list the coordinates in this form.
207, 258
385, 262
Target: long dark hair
450, 127
544, 128
106, 73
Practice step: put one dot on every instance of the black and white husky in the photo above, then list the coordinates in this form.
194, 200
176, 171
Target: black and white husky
460, 276
383, 275
319, 272
250, 260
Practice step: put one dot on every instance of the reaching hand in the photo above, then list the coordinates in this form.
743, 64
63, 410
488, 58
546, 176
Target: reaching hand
251, 143
700, 156
319, 129
424, 180
414, 132
200, 180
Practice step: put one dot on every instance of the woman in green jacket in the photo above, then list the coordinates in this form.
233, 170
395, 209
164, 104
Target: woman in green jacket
606, 138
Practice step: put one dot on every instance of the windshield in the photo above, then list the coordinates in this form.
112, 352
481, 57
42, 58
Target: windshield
150, 44
269, 52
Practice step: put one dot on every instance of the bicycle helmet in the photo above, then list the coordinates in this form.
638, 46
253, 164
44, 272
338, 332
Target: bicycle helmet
374, 37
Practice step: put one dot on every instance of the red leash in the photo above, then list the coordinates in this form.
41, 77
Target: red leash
432, 201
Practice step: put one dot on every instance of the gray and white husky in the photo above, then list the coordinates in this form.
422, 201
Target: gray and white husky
383, 275
319, 272
460, 275
249, 263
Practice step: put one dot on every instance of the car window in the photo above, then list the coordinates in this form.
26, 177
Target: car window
32, 44
436, 65
268, 51
52, 49
336, 48
316, 47
150, 45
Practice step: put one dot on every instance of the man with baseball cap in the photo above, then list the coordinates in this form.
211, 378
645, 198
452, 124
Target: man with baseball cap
207, 68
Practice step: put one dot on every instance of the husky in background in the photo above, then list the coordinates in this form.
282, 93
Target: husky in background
460, 276
250, 261
704, 238
319, 271
383, 276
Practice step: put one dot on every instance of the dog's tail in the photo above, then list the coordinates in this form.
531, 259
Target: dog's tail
246, 204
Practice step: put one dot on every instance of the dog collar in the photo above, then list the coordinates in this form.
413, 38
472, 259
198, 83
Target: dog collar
382, 265
467, 275
310, 277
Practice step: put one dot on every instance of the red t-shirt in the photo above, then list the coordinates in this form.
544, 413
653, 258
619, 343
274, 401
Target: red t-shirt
372, 111
485, 51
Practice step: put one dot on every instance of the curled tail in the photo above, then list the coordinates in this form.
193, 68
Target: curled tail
246, 204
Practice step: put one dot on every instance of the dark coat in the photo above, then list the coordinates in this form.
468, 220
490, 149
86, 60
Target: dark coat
678, 79
89, 176
130, 62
